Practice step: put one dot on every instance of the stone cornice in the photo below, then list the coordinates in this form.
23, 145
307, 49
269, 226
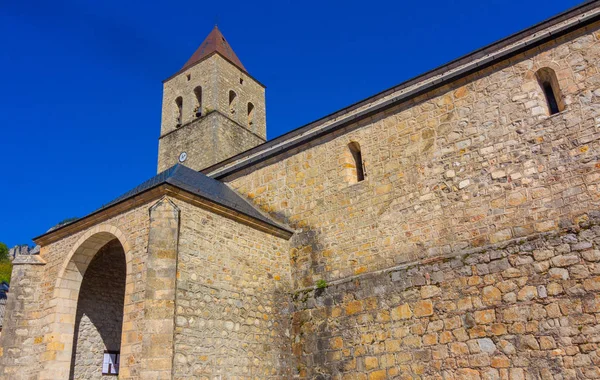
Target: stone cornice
29, 260
202, 118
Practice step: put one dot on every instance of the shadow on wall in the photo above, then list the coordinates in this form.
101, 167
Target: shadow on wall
311, 245
99, 316
402, 234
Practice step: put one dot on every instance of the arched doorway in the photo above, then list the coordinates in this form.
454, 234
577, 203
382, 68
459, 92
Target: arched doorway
99, 315
73, 320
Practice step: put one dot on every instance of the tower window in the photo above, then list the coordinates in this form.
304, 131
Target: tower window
189, 76
241, 80
232, 101
179, 103
198, 109
250, 113
549, 85
358, 169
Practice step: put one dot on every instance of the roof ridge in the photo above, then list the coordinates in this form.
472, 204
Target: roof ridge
194, 183
215, 42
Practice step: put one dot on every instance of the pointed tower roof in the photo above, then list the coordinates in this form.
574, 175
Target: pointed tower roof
214, 43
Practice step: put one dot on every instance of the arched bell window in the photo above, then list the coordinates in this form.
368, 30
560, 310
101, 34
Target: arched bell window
179, 104
198, 93
232, 102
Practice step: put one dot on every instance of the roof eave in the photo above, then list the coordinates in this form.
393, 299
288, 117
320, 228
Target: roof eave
265, 150
154, 193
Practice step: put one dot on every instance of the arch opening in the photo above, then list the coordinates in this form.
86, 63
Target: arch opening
232, 102
99, 315
550, 88
198, 109
179, 104
353, 165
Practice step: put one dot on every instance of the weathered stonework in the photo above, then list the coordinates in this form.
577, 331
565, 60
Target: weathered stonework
99, 317
222, 130
17, 341
188, 311
467, 248
159, 310
524, 309
49, 310
214, 129
466, 165
233, 304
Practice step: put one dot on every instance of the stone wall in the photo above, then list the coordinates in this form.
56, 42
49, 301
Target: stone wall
19, 355
217, 77
527, 309
206, 141
221, 131
23, 249
472, 163
233, 306
248, 90
99, 318
42, 351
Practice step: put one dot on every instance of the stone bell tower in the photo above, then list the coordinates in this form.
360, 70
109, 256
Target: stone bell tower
212, 108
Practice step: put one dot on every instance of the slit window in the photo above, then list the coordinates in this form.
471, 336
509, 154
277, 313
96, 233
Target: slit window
198, 93
550, 98
549, 84
179, 104
358, 162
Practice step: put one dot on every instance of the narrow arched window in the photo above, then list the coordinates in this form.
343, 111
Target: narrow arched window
358, 162
179, 103
198, 109
549, 84
250, 113
232, 101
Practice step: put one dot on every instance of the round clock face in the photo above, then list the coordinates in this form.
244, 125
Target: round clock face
182, 156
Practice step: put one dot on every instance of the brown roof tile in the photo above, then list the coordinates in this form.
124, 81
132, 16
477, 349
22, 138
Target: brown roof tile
215, 42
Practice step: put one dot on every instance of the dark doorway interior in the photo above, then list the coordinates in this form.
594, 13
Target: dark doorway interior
99, 317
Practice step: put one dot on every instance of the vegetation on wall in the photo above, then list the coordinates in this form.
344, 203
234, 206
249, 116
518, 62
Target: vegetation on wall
5, 264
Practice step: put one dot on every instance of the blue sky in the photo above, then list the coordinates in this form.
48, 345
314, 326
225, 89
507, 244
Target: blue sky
81, 87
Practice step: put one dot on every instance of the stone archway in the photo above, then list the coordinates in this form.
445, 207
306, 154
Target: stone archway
99, 316
93, 249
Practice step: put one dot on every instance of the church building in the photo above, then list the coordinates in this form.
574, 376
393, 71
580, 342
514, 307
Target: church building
446, 228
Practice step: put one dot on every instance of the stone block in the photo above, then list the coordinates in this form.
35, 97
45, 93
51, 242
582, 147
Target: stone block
564, 260
484, 317
401, 312
423, 308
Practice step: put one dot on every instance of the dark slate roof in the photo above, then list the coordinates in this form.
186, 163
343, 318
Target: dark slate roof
199, 184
